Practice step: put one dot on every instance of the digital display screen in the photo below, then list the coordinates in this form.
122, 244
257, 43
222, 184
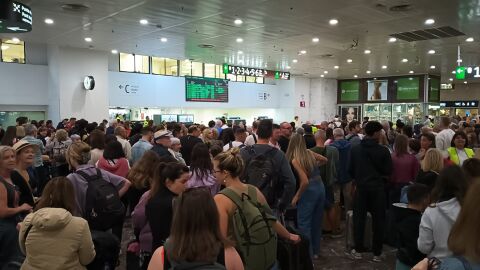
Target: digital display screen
206, 89
377, 90
255, 72
349, 91
15, 17
168, 118
185, 118
408, 88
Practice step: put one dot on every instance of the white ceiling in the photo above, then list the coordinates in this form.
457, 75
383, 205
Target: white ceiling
274, 31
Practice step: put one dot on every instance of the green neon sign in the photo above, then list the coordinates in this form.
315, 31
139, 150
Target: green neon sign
460, 73
225, 68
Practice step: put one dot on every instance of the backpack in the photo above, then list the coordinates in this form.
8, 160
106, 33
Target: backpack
255, 239
260, 171
103, 207
107, 248
58, 152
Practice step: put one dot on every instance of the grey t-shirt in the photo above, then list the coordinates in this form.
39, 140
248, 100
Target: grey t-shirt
285, 173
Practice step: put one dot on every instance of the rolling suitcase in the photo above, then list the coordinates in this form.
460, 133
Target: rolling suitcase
349, 238
294, 256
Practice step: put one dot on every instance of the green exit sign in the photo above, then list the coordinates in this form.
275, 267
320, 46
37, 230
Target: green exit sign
460, 73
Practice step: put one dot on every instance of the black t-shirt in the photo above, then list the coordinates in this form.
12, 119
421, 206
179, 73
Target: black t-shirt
188, 142
24, 188
283, 142
159, 213
309, 140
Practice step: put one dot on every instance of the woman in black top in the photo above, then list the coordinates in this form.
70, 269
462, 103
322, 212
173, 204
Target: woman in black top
24, 175
169, 181
9, 209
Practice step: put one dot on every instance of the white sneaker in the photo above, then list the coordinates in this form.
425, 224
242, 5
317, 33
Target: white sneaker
353, 254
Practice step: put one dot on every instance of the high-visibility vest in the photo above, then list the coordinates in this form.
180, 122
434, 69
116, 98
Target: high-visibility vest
452, 152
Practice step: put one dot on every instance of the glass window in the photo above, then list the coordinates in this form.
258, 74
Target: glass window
251, 79
171, 66
142, 64
219, 72
240, 78
8, 118
210, 70
260, 80
197, 69
13, 51
127, 62
232, 77
186, 68
158, 65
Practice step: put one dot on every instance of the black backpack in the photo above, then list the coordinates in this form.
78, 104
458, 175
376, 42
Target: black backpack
103, 207
260, 171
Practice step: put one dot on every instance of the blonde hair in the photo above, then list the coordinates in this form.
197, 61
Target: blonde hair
61, 135
78, 152
298, 151
3, 149
231, 161
464, 237
20, 132
205, 132
433, 161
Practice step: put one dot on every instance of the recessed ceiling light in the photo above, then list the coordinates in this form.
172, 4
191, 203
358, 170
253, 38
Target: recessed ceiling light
368, 72
114, 51
411, 72
295, 61
367, 51
163, 39
238, 21
88, 39
143, 21
288, 67
303, 52
384, 67
349, 60
392, 39
240, 52
470, 39
336, 67
465, 82
404, 60
325, 72
239, 40
453, 72
4, 47
459, 61
355, 76
432, 67
429, 21
15, 40
315, 39
431, 52
451, 79
333, 22
49, 21
322, 75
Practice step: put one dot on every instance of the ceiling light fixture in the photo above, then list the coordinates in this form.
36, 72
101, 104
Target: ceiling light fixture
322, 75
15, 40
454, 72
288, 67
384, 67
470, 39
239, 40
368, 72
367, 51
238, 22
392, 39
114, 51
336, 67
465, 82
303, 52
411, 72
240, 52
163, 39
325, 72
432, 67
333, 22
451, 79
295, 61
4, 47
404, 60
355, 76
315, 39
143, 21
49, 21
349, 60
431, 52
88, 39
429, 21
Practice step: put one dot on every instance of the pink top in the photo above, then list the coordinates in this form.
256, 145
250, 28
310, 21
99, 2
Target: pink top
118, 167
405, 168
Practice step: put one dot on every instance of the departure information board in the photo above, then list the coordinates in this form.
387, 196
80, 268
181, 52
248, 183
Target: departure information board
255, 72
199, 89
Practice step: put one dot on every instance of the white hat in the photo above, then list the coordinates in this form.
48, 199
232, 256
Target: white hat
162, 133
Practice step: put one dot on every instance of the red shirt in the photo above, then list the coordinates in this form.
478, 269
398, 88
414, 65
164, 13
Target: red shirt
405, 168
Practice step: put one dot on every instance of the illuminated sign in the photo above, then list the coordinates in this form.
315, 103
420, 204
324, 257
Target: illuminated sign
255, 72
460, 73
460, 104
15, 17
447, 86
206, 89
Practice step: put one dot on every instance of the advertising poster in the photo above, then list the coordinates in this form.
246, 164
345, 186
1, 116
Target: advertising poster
349, 91
434, 90
377, 90
408, 88
350, 113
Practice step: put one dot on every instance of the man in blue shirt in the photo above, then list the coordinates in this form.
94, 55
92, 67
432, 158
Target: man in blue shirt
142, 146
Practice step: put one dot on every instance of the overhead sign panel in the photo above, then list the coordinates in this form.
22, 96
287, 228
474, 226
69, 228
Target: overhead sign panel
15, 17
199, 89
255, 72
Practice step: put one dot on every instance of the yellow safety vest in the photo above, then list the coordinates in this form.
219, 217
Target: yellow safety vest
452, 152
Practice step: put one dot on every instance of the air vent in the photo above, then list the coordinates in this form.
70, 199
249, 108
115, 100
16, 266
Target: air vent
327, 55
75, 7
206, 46
427, 34
401, 8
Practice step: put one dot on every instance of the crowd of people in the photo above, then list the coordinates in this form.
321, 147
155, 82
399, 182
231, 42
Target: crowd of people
226, 196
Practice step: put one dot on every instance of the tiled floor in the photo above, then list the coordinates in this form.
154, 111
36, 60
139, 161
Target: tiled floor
332, 255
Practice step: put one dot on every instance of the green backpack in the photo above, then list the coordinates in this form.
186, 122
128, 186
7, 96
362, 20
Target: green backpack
255, 239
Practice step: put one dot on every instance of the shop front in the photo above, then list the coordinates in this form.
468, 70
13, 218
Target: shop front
462, 108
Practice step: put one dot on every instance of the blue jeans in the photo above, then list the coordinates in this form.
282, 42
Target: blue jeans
310, 214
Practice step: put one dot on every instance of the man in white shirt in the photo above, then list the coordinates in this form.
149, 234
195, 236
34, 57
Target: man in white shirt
121, 135
240, 136
252, 138
443, 140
